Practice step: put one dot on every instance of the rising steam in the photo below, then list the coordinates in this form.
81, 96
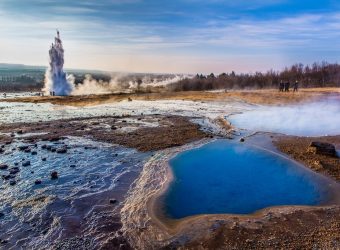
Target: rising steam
310, 119
118, 84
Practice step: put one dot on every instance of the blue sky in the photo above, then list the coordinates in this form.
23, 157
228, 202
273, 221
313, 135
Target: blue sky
186, 36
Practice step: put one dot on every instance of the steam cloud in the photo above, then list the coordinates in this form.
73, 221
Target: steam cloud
310, 119
117, 85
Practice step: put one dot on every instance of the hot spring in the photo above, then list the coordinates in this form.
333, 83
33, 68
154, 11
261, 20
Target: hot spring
233, 178
317, 118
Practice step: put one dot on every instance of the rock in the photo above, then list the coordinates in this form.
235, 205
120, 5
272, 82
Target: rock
37, 182
20, 132
14, 170
242, 140
61, 150
113, 201
129, 99
54, 175
53, 150
2, 215
3, 166
113, 127
27, 150
23, 147
4, 241
43, 146
26, 163
12, 182
1, 150
72, 166
34, 153
44, 159
16, 163
322, 148
6, 177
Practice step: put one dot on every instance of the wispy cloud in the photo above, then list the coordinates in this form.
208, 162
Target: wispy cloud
207, 33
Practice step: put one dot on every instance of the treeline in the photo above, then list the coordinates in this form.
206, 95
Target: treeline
316, 75
19, 83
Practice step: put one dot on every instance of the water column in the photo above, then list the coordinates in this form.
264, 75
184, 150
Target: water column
57, 83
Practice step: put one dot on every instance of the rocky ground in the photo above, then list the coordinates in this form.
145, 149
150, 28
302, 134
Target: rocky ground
268, 97
144, 133
296, 229
299, 149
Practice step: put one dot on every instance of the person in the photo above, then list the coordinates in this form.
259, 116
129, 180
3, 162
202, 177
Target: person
287, 85
281, 87
5, 95
296, 86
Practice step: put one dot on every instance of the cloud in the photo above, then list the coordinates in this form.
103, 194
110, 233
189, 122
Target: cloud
203, 34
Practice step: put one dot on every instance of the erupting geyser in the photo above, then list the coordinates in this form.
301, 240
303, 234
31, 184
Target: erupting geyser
56, 81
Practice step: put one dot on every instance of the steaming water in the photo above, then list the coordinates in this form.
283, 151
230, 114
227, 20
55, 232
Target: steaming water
73, 205
309, 119
228, 177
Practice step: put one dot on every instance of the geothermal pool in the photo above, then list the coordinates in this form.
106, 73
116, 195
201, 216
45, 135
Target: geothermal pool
233, 178
317, 118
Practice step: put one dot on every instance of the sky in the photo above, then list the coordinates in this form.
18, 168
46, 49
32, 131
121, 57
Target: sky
172, 36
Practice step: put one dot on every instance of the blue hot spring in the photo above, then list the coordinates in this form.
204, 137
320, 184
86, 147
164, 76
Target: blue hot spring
233, 178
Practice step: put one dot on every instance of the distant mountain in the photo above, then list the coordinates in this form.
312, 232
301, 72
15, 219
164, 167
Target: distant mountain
13, 66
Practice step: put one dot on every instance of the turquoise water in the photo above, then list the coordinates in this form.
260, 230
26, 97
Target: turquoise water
233, 178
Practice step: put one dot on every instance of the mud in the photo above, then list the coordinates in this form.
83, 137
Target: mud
298, 149
144, 133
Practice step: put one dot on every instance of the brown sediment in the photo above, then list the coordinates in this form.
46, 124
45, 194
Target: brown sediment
169, 131
298, 149
268, 96
299, 228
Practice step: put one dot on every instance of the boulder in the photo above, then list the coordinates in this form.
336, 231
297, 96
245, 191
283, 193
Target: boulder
61, 150
37, 182
113, 201
322, 148
3, 166
23, 147
26, 163
54, 175
6, 177
14, 170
